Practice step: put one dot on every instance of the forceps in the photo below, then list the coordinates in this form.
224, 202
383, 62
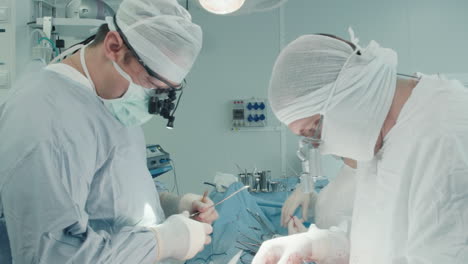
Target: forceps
223, 200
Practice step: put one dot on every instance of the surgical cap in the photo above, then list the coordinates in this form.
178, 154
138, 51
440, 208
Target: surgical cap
322, 75
307, 66
162, 34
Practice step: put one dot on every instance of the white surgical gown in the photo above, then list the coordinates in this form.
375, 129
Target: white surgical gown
411, 203
74, 187
334, 206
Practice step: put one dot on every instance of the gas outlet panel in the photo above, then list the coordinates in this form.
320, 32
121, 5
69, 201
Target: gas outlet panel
249, 113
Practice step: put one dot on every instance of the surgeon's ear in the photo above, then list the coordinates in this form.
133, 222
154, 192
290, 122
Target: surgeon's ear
114, 47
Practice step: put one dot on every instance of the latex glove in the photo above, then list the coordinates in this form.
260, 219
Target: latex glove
296, 199
193, 203
321, 246
180, 237
295, 226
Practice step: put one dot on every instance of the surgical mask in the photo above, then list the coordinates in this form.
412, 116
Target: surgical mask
354, 117
132, 108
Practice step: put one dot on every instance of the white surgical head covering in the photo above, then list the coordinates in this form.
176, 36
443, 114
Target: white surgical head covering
321, 75
162, 34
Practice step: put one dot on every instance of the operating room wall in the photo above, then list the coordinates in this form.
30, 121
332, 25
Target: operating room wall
24, 14
239, 51
235, 63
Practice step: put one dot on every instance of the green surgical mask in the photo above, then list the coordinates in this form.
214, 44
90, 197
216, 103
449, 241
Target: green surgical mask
132, 108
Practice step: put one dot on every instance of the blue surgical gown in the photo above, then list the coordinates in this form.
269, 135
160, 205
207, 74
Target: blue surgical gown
74, 187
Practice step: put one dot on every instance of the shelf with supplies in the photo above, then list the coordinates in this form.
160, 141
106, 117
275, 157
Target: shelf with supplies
78, 27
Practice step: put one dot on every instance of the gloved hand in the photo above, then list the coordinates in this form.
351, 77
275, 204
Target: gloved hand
180, 237
295, 226
193, 203
296, 199
321, 246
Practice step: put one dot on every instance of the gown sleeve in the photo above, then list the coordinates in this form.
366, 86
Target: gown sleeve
44, 201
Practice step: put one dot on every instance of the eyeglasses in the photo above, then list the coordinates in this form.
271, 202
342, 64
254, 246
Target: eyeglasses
316, 138
142, 63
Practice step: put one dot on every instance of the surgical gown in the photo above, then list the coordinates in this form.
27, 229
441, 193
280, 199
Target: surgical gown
411, 204
74, 187
334, 205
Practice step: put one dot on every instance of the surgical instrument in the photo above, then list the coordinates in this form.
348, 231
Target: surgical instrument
251, 252
251, 239
259, 219
223, 200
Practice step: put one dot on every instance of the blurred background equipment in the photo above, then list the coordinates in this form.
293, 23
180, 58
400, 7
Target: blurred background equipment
96, 9
158, 160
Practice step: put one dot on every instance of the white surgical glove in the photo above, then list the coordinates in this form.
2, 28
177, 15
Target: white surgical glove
296, 226
320, 246
296, 199
193, 203
180, 237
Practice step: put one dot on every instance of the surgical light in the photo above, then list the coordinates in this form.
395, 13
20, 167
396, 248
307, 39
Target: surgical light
221, 7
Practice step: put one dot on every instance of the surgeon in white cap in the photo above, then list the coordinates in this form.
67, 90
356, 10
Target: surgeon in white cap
409, 137
74, 186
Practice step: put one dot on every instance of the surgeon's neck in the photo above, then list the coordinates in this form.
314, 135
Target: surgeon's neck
100, 69
404, 88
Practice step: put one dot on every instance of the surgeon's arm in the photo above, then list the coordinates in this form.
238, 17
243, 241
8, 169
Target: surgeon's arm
438, 207
44, 206
350, 162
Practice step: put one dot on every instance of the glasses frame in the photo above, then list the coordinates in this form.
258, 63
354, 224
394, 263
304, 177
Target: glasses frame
315, 140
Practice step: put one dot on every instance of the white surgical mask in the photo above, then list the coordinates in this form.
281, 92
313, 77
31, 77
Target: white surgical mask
132, 108
353, 119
